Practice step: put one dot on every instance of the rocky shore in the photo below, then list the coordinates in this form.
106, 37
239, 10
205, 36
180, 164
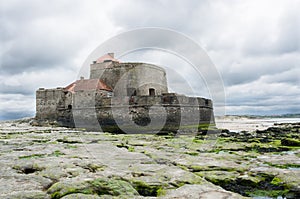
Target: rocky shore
54, 162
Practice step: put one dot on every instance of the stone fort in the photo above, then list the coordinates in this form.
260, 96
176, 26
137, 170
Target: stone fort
123, 97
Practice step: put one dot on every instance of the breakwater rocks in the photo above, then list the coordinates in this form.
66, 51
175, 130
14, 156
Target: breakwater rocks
55, 162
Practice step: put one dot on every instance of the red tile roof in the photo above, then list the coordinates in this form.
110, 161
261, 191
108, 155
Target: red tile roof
87, 84
106, 57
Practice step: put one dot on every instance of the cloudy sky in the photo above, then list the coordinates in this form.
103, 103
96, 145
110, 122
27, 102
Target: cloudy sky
254, 44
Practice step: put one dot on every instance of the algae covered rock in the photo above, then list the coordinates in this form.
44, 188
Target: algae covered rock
201, 191
52, 162
290, 142
99, 186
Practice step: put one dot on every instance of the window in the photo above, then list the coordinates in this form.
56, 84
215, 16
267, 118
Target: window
152, 92
206, 102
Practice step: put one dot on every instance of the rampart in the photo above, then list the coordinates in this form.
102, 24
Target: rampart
93, 111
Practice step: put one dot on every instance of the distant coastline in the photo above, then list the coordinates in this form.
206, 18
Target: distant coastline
239, 123
250, 116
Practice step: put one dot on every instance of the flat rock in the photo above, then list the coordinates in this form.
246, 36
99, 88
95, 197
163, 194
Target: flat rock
54, 162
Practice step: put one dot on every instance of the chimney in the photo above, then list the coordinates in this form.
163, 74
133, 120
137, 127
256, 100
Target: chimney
111, 54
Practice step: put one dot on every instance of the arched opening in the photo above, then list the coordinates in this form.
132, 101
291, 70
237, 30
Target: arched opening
131, 92
151, 91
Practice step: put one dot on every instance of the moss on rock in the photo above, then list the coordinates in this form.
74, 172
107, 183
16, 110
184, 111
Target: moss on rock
266, 193
290, 142
100, 186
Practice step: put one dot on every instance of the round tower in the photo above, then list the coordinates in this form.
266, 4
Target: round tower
130, 79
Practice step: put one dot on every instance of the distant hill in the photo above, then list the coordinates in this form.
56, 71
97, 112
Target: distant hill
296, 115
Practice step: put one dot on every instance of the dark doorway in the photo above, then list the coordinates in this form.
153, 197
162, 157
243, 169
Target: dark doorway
152, 92
134, 93
131, 92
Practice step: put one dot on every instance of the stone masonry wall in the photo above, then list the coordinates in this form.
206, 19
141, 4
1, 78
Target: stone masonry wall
89, 109
145, 113
48, 101
125, 78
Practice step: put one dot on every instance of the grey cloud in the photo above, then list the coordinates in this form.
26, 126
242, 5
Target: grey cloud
289, 76
5, 89
36, 50
27, 83
29, 57
261, 110
251, 68
284, 38
255, 50
15, 106
223, 28
219, 25
289, 36
175, 14
255, 46
36, 35
264, 96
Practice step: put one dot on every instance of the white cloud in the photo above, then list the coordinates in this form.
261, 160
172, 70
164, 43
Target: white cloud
16, 106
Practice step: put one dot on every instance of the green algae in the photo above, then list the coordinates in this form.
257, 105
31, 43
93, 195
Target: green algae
100, 186
252, 184
94, 167
276, 181
192, 153
131, 149
290, 142
59, 190
57, 153
283, 166
32, 156
161, 192
268, 193
113, 187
